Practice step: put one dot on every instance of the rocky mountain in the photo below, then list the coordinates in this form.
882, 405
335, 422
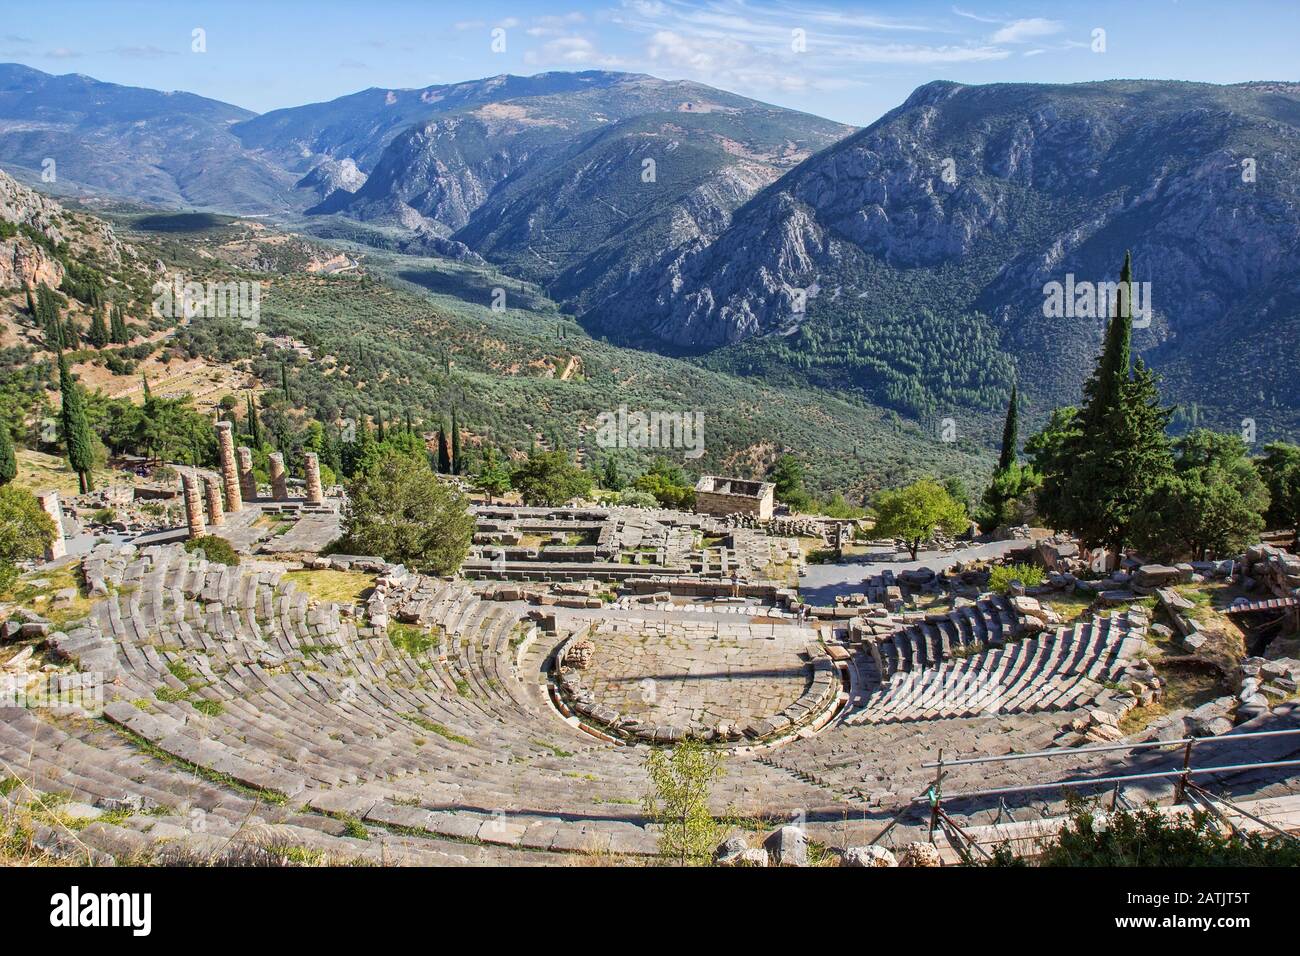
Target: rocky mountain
584, 218
154, 147
909, 261
360, 126
423, 160
506, 172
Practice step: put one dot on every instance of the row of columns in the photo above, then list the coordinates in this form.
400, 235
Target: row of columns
239, 483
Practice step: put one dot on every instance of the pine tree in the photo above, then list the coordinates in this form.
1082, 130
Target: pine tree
457, 465
1010, 434
8, 460
76, 430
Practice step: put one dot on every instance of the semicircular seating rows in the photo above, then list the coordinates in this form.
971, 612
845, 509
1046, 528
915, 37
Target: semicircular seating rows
972, 661
237, 676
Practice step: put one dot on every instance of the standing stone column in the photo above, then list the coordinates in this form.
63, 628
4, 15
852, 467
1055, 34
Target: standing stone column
213, 492
247, 480
193, 506
50, 502
315, 494
279, 480
229, 476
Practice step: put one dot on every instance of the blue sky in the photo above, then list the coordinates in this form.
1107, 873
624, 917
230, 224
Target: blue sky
850, 62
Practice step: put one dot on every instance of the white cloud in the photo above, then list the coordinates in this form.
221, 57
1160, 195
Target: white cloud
572, 51
913, 53
1021, 31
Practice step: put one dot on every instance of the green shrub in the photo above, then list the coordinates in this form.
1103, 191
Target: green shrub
1147, 838
214, 549
1001, 576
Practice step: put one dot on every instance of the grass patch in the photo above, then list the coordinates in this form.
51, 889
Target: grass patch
552, 748
182, 671
213, 708
212, 776
1069, 607
412, 638
335, 587
40, 597
435, 728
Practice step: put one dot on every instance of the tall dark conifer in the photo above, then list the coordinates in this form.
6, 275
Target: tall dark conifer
8, 458
98, 329
444, 452
1101, 393
457, 466
1116, 450
1010, 434
254, 423
76, 430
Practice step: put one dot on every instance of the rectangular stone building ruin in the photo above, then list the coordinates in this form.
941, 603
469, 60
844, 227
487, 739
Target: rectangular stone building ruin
715, 495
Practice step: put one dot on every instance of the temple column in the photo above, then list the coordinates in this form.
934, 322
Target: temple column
229, 473
279, 480
247, 480
315, 494
212, 490
198, 527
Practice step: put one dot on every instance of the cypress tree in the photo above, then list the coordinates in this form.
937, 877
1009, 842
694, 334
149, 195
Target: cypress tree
284, 381
1101, 393
457, 466
117, 327
98, 330
8, 460
1117, 450
254, 425
148, 395
444, 454
51, 322
380, 429
76, 430
31, 306
1010, 434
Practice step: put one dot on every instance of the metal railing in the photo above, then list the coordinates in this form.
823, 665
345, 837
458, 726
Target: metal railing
935, 796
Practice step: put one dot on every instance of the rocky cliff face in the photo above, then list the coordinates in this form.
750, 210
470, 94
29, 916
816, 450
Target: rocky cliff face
23, 262
25, 259
433, 176
970, 199
24, 265
332, 176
